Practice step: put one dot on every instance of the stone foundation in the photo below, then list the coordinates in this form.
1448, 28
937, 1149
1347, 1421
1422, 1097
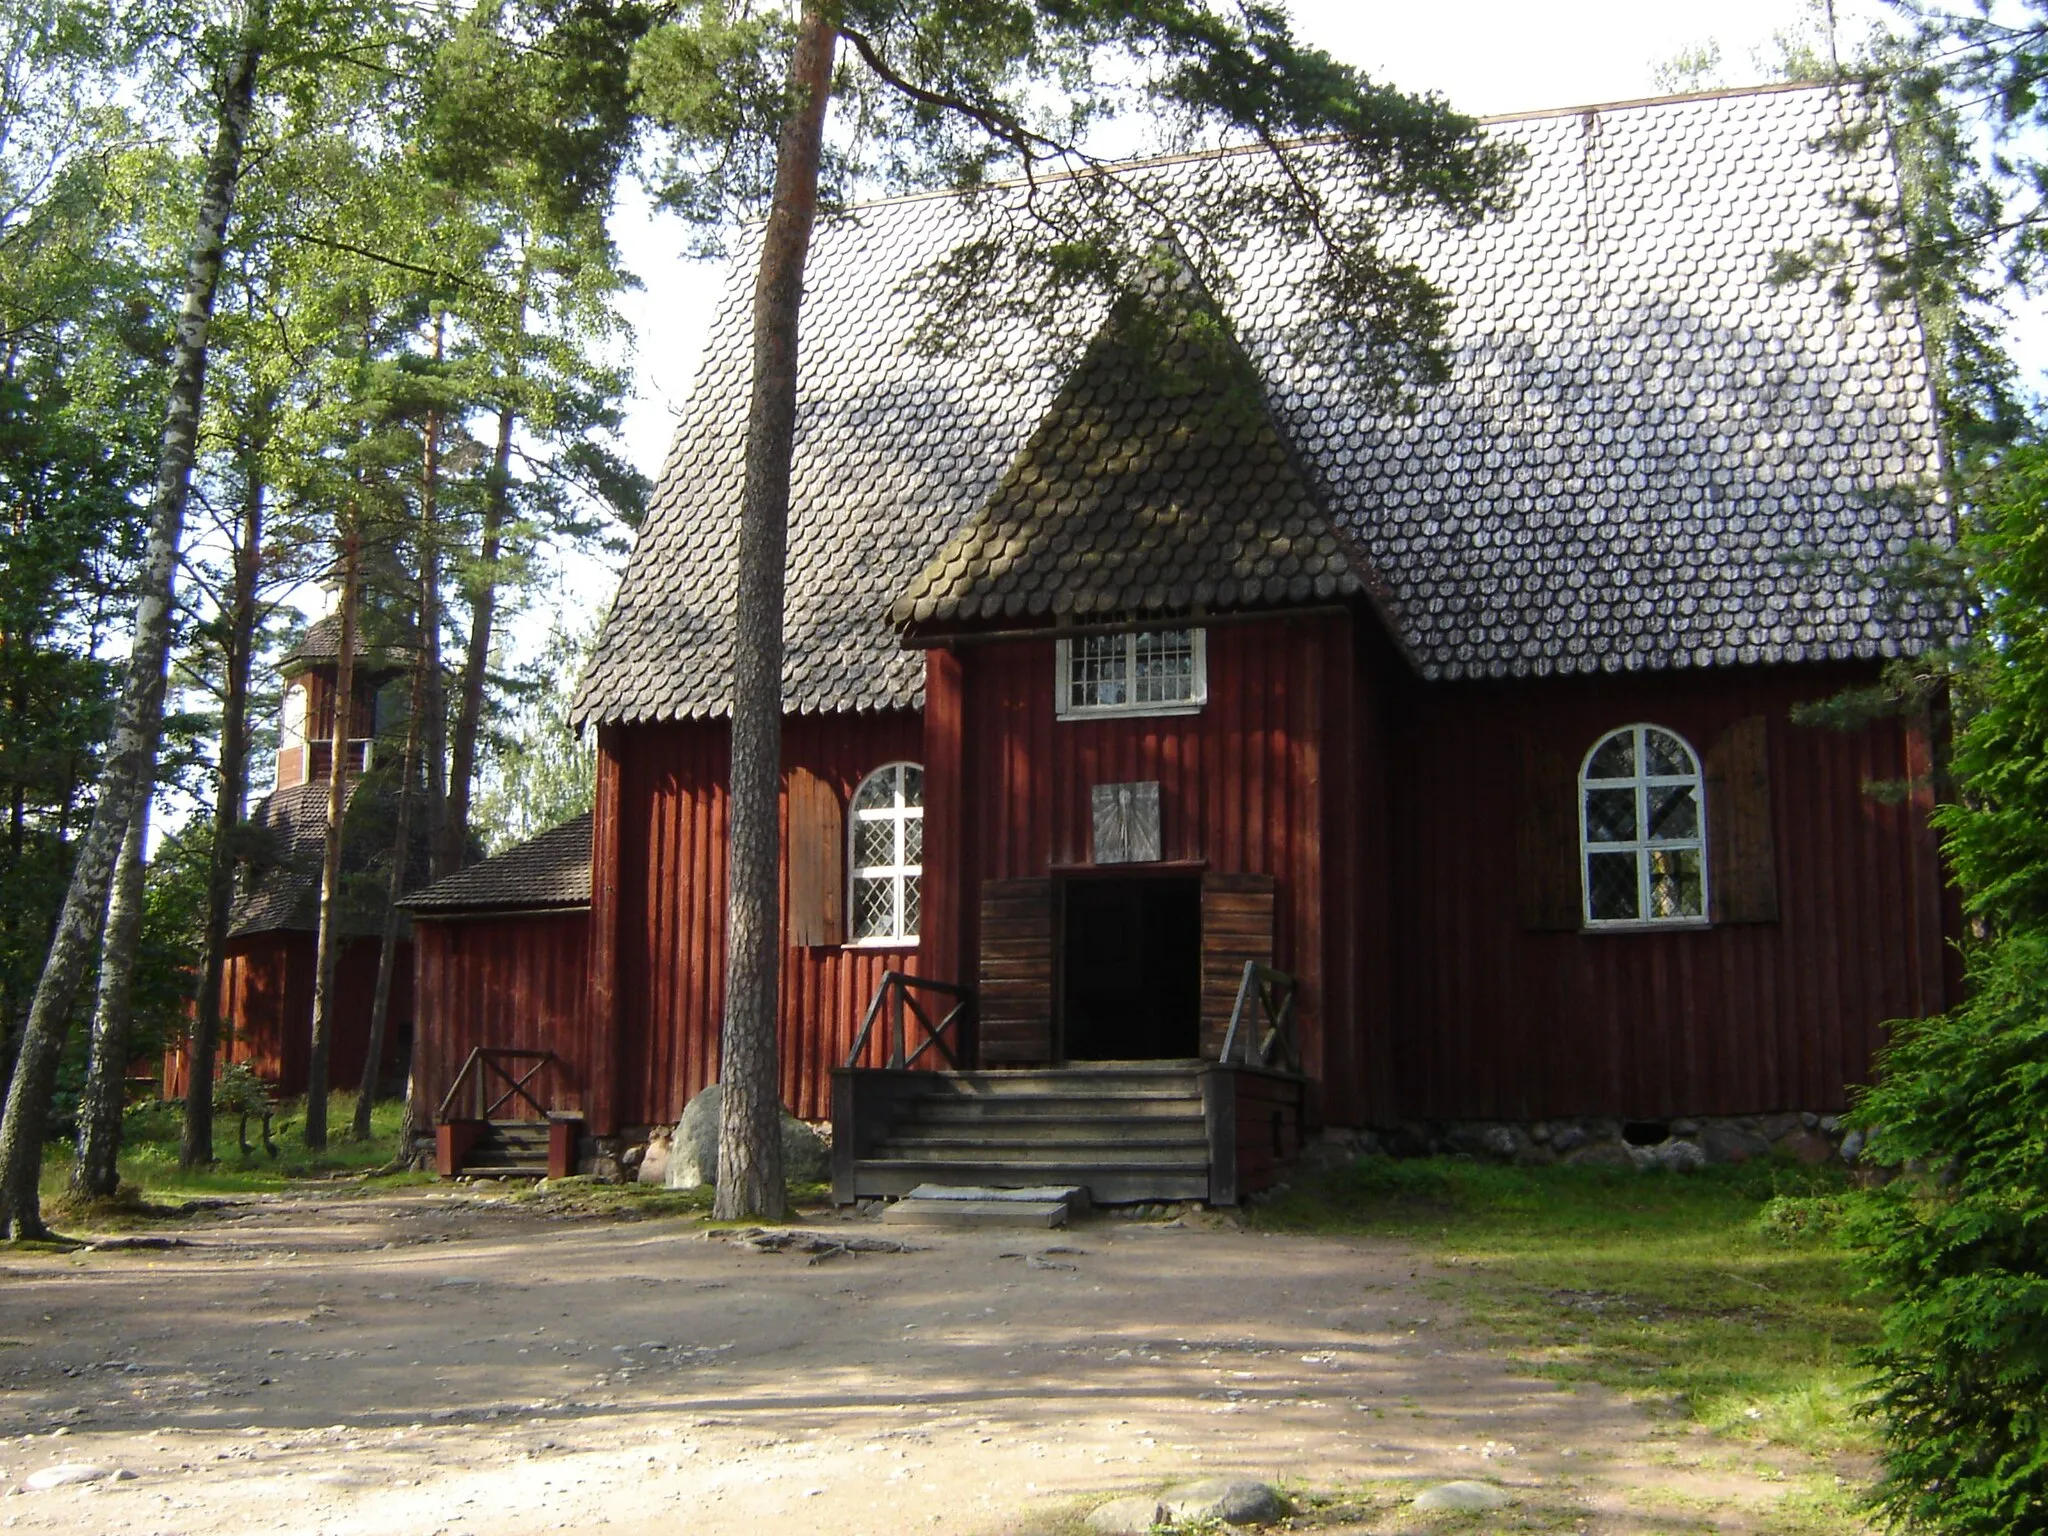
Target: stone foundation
1602, 1141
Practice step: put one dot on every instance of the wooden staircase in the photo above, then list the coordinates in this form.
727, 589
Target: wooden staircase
480, 1145
1123, 1131
507, 1149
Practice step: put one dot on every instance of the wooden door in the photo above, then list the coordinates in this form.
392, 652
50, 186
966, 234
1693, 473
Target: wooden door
1237, 925
1015, 983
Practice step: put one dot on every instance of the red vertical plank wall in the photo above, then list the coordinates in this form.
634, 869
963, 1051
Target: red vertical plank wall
1491, 1021
1242, 787
520, 982
267, 989
669, 971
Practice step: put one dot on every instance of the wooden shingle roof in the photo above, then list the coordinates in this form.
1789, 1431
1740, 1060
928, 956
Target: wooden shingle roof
1158, 483
548, 872
1651, 453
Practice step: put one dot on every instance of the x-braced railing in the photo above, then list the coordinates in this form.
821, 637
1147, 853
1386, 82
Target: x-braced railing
497, 1061
1262, 1021
896, 991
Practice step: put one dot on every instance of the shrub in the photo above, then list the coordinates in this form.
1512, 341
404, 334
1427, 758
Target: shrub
1961, 1374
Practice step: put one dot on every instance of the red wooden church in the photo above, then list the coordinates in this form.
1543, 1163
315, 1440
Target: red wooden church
1237, 756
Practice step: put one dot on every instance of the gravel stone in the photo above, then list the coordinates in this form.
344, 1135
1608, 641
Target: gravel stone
1464, 1496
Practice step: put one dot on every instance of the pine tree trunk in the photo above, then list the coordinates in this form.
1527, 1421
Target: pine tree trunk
750, 1117
96, 1174
327, 952
387, 948
230, 799
434, 727
483, 608
138, 720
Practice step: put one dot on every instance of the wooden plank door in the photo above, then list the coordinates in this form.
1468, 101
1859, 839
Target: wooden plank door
1014, 1001
1237, 925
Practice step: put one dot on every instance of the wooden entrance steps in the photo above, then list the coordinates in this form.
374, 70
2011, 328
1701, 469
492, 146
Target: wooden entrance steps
508, 1149
1124, 1131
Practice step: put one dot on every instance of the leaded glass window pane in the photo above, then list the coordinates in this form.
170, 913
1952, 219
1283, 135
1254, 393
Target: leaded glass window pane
1644, 824
1675, 886
874, 842
1163, 666
1664, 755
1611, 815
874, 907
1611, 886
877, 791
1674, 812
1138, 672
887, 840
1096, 672
1615, 758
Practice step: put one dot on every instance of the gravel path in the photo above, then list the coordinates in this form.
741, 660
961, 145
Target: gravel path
449, 1362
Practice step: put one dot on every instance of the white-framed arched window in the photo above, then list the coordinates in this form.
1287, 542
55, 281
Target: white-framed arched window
1642, 829
885, 832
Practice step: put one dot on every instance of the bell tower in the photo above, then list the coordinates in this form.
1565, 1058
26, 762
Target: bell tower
312, 671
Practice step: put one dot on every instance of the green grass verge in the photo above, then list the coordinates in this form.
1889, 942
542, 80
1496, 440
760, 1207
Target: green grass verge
1724, 1291
149, 1153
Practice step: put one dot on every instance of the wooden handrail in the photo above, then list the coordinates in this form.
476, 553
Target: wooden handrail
493, 1059
1271, 993
896, 989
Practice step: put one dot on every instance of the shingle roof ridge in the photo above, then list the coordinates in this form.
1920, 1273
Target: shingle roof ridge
1671, 99
1312, 141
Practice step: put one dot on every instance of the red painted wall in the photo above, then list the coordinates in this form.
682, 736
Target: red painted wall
1492, 1021
267, 1000
1242, 787
1385, 809
519, 981
658, 968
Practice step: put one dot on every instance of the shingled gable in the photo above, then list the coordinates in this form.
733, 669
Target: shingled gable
1650, 454
549, 872
1158, 483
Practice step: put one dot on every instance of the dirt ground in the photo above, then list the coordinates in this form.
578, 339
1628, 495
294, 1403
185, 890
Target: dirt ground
451, 1362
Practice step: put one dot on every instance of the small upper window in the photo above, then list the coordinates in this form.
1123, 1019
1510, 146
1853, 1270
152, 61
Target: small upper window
295, 713
1142, 672
1642, 829
886, 830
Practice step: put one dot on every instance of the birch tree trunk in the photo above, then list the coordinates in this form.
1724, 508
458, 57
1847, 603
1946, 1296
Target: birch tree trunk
96, 1174
327, 952
750, 1179
231, 796
138, 718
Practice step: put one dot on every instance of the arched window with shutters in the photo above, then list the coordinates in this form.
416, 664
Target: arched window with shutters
885, 833
1642, 830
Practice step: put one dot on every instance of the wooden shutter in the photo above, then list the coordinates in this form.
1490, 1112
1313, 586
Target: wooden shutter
817, 861
1547, 837
1237, 925
1013, 1003
1742, 854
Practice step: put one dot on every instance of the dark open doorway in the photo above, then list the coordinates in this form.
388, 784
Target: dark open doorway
1131, 949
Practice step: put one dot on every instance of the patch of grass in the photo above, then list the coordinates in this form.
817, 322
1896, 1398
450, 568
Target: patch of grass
1725, 1292
149, 1154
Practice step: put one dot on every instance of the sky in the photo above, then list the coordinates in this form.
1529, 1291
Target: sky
1486, 57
